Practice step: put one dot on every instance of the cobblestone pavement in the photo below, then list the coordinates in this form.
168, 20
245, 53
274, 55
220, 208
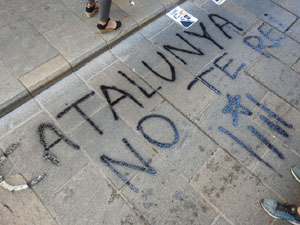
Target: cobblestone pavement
169, 126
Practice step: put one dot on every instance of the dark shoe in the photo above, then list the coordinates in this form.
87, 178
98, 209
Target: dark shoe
296, 172
103, 28
281, 211
90, 11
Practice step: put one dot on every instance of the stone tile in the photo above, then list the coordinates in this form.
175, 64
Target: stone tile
76, 48
96, 66
20, 44
111, 145
49, 15
295, 34
279, 78
89, 199
212, 118
167, 198
169, 3
154, 28
26, 5
22, 207
18, 116
222, 180
286, 186
287, 51
232, 12
6, 167
296, 66
134, 50
11, 90
7, 16
221, 221
45, 75
291, 5
190, 102
262, 7
193, 149
287, 113
127, 109
65, 93
28, 159
142, 11
281, 222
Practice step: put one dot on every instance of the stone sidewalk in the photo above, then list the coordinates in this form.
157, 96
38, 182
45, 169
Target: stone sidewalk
170, 126
43, 41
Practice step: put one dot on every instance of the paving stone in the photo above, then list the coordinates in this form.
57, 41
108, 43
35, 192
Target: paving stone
232, 12
279, 78
45, 75
96, 66
287, 51
291, 5
11, 90
296, 66
281, 222
133, 59
287, 113
89, 199
7, 16
190, 102
295, 34
167, 198
262, 7
169, 3
221, 221
193, 149
142, 11
222, 180
127, 109
75, 50
212, 118
49, 15
18, 116
154, 28
286, 186
65, 93
29, 161
21, 35
22, 207
111, 145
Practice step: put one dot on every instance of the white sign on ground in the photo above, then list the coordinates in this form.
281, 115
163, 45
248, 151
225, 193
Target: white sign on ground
182, 17
219, 2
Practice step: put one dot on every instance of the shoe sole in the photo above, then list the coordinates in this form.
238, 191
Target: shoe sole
89, 15
108, 30
297, 179
275, 216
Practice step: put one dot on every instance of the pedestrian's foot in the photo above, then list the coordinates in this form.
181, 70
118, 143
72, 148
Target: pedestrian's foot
296, 172
281, 211
110, 25
91, 9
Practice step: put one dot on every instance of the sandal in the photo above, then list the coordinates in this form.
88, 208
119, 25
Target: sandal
103, 28
90, 11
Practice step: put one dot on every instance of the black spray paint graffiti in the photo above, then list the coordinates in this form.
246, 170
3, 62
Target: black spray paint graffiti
233, 107
47, 154
248, 149
10, 149
76, 107
170, 49
172, 69
125, 94
152, 141
221, 27
147, 168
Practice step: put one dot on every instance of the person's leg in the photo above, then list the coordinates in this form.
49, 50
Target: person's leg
104, 23
296, 172
279, 210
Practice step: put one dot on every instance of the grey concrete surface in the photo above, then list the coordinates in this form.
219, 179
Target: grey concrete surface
127, 156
